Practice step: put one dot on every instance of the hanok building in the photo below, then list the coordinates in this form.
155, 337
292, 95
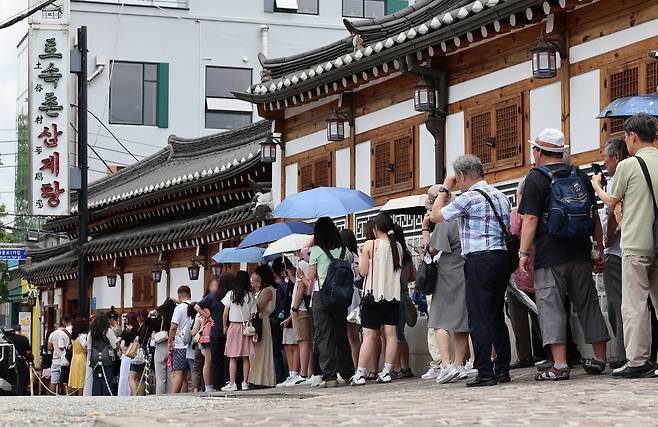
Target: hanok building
155, 225
389, 107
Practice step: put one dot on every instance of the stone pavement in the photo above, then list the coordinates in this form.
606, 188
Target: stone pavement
583, 401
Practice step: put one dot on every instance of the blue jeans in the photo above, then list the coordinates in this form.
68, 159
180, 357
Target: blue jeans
99, 387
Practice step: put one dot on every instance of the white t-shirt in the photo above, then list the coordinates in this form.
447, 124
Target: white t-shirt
240, 312
60, 341
302, 265
180, 318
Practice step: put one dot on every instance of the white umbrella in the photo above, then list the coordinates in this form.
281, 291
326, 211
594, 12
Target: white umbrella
288, 244
408, 204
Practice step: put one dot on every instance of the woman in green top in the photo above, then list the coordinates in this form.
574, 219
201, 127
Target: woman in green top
330, 322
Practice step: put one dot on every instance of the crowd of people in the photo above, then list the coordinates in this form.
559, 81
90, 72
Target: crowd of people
326, 315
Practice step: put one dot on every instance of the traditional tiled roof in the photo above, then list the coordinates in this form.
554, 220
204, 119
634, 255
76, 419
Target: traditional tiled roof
378, 45
183, 161
60, 267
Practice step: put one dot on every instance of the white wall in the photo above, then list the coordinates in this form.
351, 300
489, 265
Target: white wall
128, 290
291, 179
362, 172
179, 277
276, 177
585, 106
162, 288
545, 110
427, 161
342, 168
385, 116
455, 143
106, 296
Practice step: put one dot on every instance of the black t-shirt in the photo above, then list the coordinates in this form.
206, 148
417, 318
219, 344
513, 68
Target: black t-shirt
214, 304
552, 250
22, 345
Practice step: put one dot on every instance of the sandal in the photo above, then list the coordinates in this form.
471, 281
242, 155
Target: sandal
593, 366
371, 376
553, 374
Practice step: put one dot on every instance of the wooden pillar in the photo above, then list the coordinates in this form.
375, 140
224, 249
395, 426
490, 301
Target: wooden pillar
565, 76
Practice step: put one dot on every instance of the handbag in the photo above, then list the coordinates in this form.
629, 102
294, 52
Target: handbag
426, 276
368, 298
410, 312
647, 176
161, 336
140, 357
512, 241
248, 330
132, 349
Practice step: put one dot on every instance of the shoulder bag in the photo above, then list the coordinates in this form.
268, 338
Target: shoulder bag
161, 336
426, 275
647, 176
132, 349
512, 242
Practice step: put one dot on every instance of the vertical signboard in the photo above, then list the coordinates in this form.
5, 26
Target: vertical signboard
48, 98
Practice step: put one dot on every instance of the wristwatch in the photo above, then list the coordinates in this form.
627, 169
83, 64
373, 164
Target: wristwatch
442, 189
523, 254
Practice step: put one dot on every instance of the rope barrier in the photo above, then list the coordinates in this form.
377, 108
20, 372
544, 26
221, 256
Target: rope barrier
36, 374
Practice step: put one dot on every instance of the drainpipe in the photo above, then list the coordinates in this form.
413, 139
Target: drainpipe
436, 125
264, 30
101, 62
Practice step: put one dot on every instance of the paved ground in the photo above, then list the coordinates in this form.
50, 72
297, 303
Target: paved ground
583, 401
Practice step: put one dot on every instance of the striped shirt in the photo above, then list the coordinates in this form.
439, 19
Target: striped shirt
479, 228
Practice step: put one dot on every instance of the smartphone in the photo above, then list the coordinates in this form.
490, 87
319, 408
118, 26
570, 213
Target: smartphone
597, 170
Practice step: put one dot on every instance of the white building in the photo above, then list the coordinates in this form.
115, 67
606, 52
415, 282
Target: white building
163, 67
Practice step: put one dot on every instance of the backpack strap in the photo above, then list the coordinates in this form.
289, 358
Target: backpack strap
647, 176
328, 254
342, 253
501, 223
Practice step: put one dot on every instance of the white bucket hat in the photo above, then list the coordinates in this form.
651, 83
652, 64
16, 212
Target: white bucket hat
550, 140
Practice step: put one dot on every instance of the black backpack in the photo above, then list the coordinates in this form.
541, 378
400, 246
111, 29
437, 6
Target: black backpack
69, 348
102, 351
338, 286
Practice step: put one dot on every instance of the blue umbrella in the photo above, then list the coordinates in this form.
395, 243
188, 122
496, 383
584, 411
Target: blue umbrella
630, 106
323, 201
235, 255
273, 232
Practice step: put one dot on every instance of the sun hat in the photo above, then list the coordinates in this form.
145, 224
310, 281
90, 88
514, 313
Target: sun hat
550, 140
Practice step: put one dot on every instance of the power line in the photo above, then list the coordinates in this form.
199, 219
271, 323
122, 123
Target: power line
113, 135
25, 14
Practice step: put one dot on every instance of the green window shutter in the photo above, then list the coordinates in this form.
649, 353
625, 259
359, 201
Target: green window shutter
163, 95
393, 6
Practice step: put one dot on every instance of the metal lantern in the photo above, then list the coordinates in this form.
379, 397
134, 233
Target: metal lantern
544, 59
424, 97
193, 271
268, 149
216, 269
31, 298
156, 273
335, 128
112, 280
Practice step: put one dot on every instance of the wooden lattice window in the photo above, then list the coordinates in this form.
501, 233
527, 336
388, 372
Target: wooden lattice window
495, 134
143, 291
392, 165
652, 77
315, 173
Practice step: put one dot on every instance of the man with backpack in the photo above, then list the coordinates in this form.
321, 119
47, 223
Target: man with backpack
560, 216
58, 342
635, 185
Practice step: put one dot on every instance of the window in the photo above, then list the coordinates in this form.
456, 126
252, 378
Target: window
223, 111
495, 134
143, 291
304, 7
393, 163
315, 173
629, 79
139, 94
372, 8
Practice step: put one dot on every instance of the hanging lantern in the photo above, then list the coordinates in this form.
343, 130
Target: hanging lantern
112, 279
424, 97
544, 59
216, 269
268, 149
156, 273
193, 271
335, 128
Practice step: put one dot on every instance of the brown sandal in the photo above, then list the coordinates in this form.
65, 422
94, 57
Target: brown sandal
371, 376
553, 374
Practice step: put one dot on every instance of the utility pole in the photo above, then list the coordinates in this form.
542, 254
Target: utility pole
83, 294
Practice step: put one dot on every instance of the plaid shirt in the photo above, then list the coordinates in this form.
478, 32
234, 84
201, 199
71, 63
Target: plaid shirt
479, 228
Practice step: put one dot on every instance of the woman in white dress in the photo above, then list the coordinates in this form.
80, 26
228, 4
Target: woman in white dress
127, 336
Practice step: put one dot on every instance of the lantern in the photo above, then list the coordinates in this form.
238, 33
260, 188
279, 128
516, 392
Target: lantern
544, 61
193, 271
268, 149
31, 298
156, 273
112, 279
335, 128
424, 97
216, 269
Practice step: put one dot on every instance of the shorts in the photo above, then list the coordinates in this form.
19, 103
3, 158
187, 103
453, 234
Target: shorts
377, 314
302, 326
64, 377
289, 336
137, 368
55, 373
179, 360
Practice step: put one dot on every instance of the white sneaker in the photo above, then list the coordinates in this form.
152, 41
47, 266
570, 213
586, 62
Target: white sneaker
467, 371
230, 387
449, 373
431, 374
245, 386
297, 380
655, 373
340, 380
286, 383
384, 378
314, 380
360, 380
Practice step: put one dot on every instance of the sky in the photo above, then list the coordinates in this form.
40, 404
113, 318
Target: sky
9, 38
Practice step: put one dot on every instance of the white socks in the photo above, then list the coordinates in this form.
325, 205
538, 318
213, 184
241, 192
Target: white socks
209, 388
360, 372
387, 368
